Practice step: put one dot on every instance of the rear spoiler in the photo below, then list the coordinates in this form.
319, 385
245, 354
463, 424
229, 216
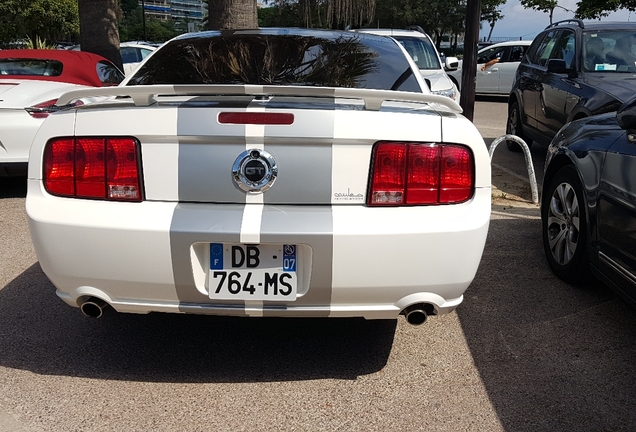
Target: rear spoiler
146, 95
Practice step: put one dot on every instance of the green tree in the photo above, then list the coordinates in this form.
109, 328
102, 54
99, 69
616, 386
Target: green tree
595, 9
546, 6
397, 14
436, 17
47, 20
336, 14
491, 13
131, 27
281, 15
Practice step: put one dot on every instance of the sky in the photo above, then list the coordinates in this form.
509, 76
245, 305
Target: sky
527, 23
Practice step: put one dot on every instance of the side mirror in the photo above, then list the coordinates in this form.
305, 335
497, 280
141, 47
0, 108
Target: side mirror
557, 66
451, 63
626, 115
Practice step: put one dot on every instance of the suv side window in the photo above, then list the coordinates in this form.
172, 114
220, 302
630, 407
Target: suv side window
541, 54
565, 49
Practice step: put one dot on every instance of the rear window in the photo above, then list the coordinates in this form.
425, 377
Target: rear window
30, 67
307, 58
421, 50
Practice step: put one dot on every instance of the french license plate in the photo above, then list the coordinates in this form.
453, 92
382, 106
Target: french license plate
252, 272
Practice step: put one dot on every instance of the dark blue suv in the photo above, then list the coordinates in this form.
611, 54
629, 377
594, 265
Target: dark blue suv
572, 70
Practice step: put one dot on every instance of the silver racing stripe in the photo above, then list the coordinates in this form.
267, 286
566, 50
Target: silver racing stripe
251, 221
304, 172
210, 223
200, 223
205, 170
313, 226
213, 209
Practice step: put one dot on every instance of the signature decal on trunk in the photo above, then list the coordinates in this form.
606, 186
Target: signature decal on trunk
348, 196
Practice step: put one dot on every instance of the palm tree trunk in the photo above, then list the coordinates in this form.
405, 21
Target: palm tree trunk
98, 29
232, 14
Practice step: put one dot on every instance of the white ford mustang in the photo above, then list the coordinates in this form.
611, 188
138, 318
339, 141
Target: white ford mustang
271, 172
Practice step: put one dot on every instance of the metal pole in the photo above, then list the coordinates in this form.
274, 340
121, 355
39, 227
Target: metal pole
143, 17
467, 99
526, 151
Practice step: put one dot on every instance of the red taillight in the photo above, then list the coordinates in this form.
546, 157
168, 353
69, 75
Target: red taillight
41, 110
93, 167
256, 118
420, 174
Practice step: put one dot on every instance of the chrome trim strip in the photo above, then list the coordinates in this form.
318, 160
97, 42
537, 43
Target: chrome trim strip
616, 266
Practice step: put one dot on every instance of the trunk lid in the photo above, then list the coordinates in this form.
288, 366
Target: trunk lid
322, 157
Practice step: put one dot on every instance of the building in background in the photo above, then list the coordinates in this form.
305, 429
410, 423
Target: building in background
186, 13
158, 9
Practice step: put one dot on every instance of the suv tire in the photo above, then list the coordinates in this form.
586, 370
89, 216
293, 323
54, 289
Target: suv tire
513, 127
565, 227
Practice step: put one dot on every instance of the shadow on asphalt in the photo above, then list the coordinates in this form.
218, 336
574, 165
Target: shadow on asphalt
13, 187
52, 338
501, 99
551, 356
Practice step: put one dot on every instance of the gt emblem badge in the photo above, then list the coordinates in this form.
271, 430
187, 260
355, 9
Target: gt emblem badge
254, 171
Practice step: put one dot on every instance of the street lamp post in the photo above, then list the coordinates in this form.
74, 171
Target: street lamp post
143, 17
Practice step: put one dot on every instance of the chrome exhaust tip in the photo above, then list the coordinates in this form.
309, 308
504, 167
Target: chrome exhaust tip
93, 307
415, 314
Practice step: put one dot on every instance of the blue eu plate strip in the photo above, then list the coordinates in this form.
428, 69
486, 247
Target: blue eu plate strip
216, 256
289, 258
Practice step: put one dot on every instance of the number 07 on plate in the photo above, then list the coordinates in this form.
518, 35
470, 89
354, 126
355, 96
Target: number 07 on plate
253, 272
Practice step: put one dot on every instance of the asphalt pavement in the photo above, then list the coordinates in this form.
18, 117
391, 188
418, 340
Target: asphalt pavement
523, 352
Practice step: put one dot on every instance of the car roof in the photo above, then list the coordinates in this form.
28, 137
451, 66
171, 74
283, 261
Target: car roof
79, 67
507, 43
391, 32
138, 45
594, 25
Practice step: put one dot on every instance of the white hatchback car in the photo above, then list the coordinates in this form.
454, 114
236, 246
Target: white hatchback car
133, 53
422, 49
496, 67
311, 176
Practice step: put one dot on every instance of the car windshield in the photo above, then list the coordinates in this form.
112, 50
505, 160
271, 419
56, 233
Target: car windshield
609, 51
421, 50
30, 67
275, 58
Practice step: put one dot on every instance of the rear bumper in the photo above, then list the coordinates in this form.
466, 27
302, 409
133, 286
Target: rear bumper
358, 261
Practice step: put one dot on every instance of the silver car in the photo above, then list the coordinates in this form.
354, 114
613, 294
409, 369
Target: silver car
423, 52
